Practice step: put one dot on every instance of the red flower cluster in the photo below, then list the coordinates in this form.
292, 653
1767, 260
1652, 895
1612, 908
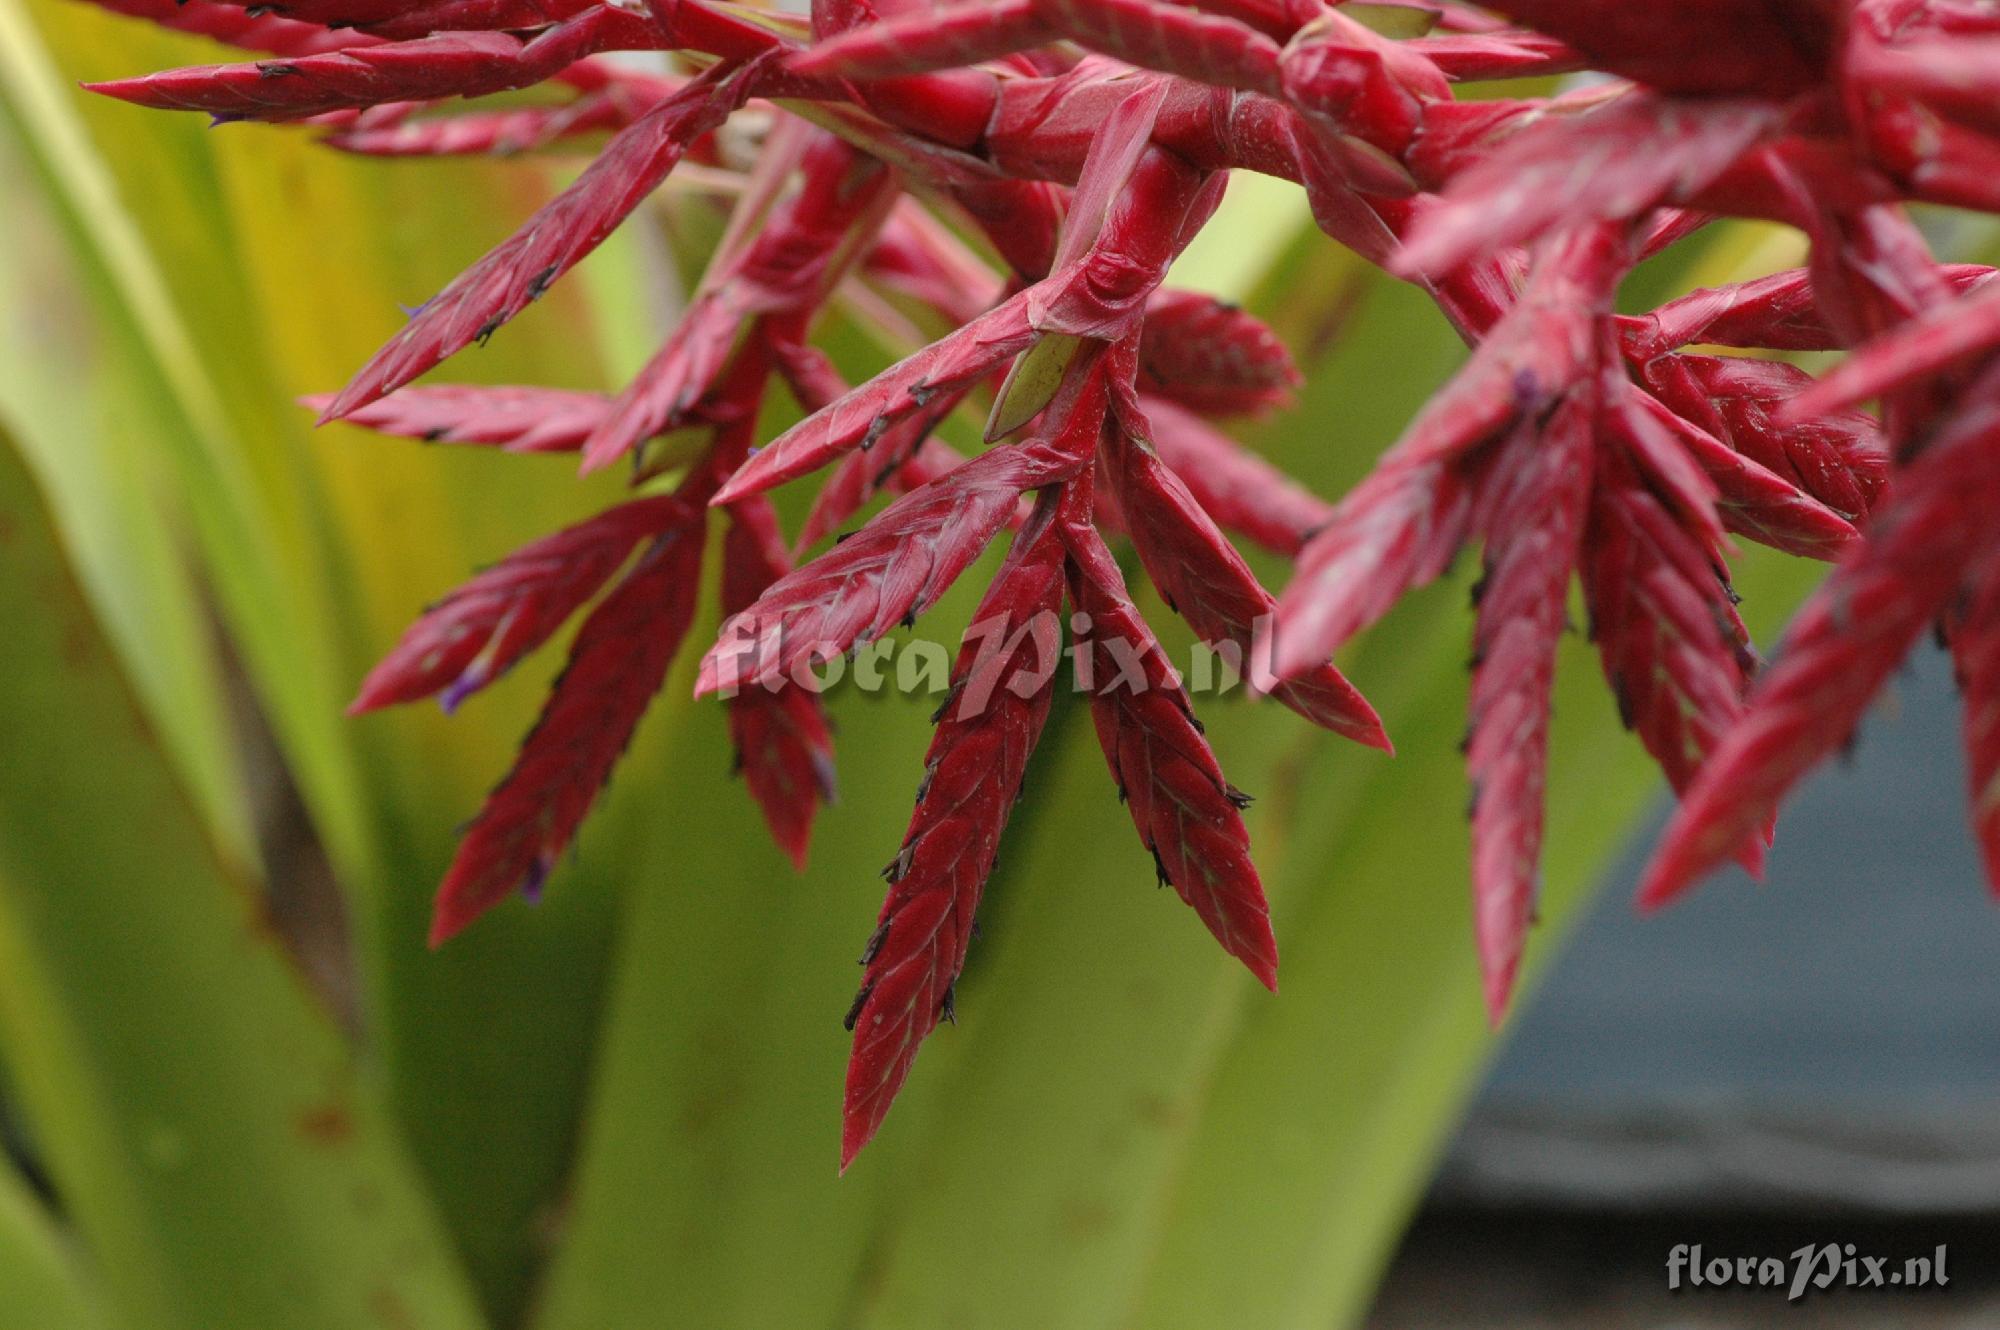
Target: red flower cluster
1084, 143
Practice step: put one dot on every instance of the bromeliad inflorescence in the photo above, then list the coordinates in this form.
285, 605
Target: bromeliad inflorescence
1028, 171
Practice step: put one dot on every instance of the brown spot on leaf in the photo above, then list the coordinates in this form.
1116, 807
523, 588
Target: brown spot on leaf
330, 1124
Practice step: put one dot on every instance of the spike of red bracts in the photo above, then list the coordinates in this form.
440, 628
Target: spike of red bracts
1188, 815
1541, 485
1842, 648
478, 632
503, 133
801, 251
989, 725
617, 664
1104, 276
957, 360
1212, 357
404, 17
1207, 583
918, 43
897, 566
515, 420
1840, 459
422, 17
784, 748
1752, 500
1674, 651
866, 472
1207, 48
234, 25
522, 269
1937, 340
470, 64
1775, 313
1400, 527
1240, 490
1614, 160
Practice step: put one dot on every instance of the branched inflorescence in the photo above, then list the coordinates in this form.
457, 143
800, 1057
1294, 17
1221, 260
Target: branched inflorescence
1024, 173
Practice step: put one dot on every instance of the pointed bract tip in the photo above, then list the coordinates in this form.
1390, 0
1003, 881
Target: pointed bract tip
856, 1131
1499, 992
599, 452
1751, 858
1659, 889
708, 679
444, 927
1682, 860
1261, 959
333, 411
1373, 734
734, 490
376, 692
125, 90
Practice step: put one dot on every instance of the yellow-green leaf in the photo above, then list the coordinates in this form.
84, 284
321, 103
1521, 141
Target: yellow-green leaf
223, 1157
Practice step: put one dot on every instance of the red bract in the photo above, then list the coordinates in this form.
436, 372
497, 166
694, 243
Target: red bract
235, 25
521, 271
476, 634
784, 747
1540, 488
617, 664
986, 730
1845, 644
1084, 143
1207, 583
454, 65
516, 420
897, 566
1213, 358
787, 268
1188, 816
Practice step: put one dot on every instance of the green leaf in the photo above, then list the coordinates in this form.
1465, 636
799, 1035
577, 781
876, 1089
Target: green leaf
222, 1156
86, 405
268, 268
1031, 383
45, 1283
